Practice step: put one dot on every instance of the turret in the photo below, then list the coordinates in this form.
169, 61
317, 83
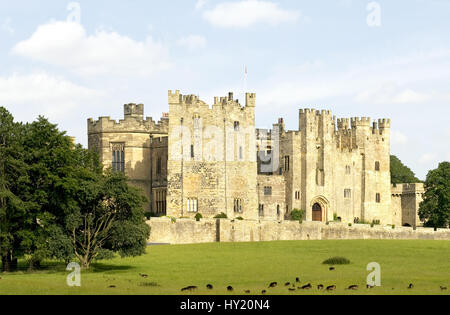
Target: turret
134, 111
250, 99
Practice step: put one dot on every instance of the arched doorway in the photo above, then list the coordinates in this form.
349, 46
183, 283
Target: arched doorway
317, 212
319, 209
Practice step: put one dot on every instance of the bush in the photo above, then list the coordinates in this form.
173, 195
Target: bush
393, 226
349, 224
336, 261
198, 216
221, 216
297, 215
240, 218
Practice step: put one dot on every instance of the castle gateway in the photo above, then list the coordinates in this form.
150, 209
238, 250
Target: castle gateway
212, 159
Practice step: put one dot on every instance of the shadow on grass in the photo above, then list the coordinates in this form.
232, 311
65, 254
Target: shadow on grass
102, 267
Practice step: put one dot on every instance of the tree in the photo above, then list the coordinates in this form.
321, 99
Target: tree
435, 208
109, 219
400, 173
13, 178
56, 202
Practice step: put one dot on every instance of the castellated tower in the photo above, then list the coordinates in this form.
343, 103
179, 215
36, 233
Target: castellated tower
336, 168
212, 164
130, 146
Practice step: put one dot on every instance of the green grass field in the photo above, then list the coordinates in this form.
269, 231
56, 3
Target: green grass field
252, 266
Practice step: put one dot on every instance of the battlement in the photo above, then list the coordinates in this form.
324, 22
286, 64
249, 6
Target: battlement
343, 123
185, 100
360, 122
133, 122
404, 189
384, 123
134, 110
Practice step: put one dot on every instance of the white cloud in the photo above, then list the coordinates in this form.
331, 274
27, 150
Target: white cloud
247, 13
200, 4
398, 138
42, 94
427, 158
5, 26
192, 42
67, 45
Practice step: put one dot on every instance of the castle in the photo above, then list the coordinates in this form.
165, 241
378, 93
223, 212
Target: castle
212, 159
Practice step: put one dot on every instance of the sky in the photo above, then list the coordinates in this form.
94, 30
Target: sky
70, 61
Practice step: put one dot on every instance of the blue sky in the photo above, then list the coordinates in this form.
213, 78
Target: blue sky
299, 54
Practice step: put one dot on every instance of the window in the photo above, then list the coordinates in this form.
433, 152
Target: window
192, 205
236, 126
196, 121
158, 166
238, 205
377, 166
267, 191
286, 163
280, 171
261, 210
348, 170
278, 211
241, 153
118, 157
160, 201
297, 195
192, 151
378, 198
347, 193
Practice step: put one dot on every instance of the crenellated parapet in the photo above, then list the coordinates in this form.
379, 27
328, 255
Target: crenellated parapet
407, 189
225, 103
133, 122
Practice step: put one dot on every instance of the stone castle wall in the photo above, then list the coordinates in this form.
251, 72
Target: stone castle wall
212, 157
188, 231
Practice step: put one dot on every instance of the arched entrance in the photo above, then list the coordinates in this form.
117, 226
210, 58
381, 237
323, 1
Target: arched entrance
319, 209
317, 212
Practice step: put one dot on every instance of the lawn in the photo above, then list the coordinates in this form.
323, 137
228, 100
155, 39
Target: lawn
252, 266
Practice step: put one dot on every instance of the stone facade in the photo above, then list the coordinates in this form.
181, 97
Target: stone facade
211, 159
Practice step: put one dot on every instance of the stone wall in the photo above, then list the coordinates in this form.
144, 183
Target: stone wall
188, 231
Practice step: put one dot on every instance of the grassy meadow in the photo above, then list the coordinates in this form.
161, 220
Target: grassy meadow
252, 266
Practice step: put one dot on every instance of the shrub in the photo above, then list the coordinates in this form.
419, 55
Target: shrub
221, 216
336, 261
393, 226
297, 215
198, 216
240, 218
335, 217
349, 224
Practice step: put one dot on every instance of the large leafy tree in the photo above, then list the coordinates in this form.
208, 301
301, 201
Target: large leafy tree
13, 179
400, 173
435, 208
109, 219
55, 200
